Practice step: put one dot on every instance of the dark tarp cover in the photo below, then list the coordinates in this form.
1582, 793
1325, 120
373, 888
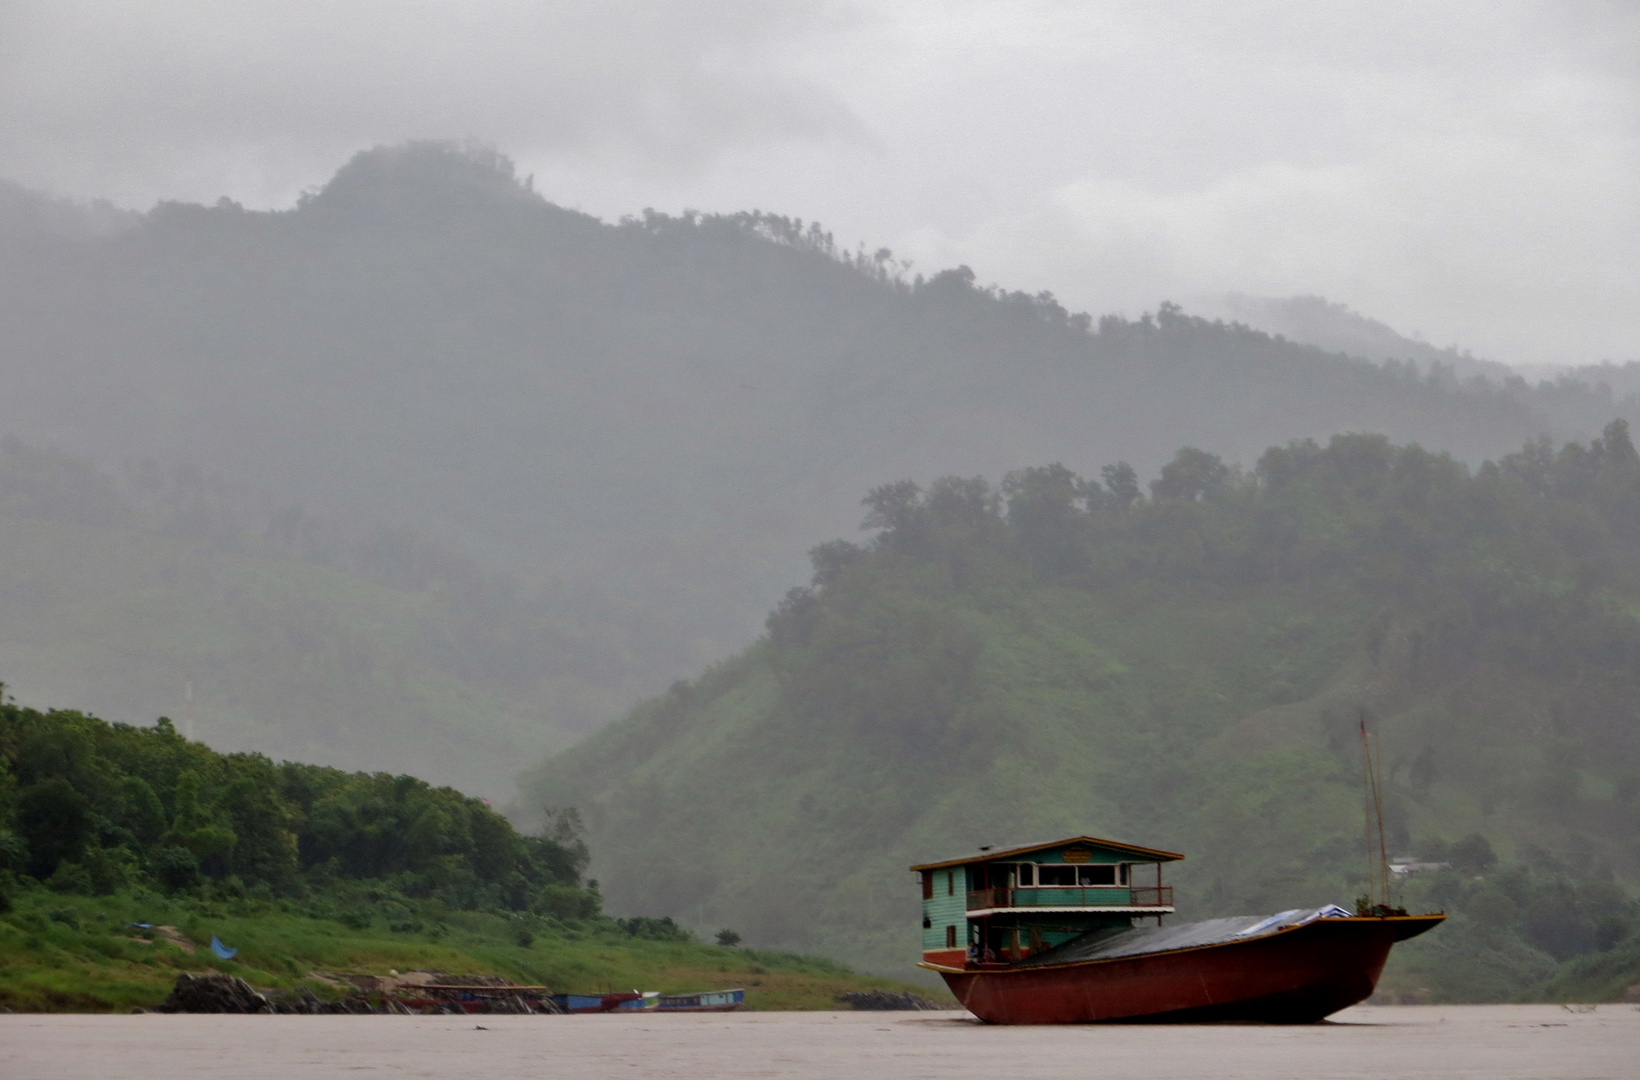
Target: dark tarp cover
1140, 940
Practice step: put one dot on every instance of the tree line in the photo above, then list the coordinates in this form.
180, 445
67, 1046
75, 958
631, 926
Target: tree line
1529, 554
92, 807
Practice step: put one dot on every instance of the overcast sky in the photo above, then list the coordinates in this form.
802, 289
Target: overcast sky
1468, 171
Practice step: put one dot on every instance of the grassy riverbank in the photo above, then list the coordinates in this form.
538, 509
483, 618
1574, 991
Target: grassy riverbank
80, 954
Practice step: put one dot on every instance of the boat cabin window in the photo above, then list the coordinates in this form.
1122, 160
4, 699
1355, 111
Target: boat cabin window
1056, 876
1051, 875
1113, 874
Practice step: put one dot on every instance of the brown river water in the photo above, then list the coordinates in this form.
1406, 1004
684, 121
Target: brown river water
1380, 1043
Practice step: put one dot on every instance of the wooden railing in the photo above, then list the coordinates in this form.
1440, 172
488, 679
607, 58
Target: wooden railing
1091, 896
1153, 896
988, 898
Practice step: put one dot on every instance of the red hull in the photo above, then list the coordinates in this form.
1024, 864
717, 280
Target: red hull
1294, 976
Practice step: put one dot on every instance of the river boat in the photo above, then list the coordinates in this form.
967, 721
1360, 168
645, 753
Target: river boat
706, 1001
710, 1001
595, 1003
1060, 933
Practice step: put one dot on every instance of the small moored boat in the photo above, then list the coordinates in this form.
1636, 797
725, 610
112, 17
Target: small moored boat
707, 1001
595, 1003
710, 1001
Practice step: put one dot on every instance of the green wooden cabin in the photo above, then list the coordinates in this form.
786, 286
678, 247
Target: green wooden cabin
999, 907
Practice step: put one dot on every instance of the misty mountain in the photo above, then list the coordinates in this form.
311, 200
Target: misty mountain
1566, 397
30, 216
1621, 381
1315, 320
148, 595
1062, 655
645, 422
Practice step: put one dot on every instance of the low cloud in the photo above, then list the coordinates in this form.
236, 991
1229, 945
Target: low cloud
1463, 169
191, 95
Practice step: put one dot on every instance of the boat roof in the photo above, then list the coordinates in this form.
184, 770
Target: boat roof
1151, 854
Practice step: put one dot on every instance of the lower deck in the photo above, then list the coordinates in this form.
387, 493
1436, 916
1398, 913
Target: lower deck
1003, 937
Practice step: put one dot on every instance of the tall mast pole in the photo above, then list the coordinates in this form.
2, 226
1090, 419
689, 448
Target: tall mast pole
1366, 810
1372, 783
1383, 840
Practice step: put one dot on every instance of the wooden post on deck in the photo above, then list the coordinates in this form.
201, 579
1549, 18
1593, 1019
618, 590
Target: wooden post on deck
1158, 894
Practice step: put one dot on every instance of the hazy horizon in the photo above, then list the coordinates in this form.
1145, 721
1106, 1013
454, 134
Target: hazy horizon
1420, 165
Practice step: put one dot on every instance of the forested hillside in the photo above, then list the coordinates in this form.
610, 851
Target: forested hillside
1314, 320
89, 807
1565, 398
296, 636
125, 850
1061, 655
645, 422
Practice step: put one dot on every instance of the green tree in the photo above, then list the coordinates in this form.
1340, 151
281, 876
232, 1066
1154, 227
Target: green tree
1042, 510
1191, 475
895, 509
141, 812
264, 847
1122, 483
55, 822
197, 828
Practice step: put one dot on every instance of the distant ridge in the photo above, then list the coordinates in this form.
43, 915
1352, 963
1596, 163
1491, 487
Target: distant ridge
1315, 320
647, 421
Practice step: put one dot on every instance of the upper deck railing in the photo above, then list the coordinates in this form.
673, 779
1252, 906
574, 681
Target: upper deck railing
1058, 896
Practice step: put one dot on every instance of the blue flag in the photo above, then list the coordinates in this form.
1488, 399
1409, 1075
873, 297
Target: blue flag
221, 950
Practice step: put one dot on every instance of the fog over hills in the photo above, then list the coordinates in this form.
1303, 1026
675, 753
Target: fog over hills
1192, 669
642, 424
1314, 320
